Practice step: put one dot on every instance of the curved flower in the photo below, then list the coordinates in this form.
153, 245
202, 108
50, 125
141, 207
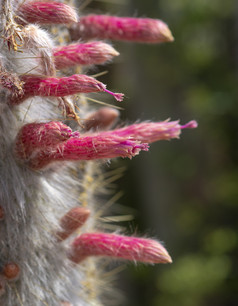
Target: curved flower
144, 30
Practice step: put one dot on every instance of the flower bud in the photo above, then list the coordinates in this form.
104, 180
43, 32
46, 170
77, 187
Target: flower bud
118, 246
92, 53
101, 119
73, 220
11, 271
46, 12
144, 30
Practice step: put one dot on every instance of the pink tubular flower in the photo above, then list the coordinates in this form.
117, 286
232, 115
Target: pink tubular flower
91, 53
117, 246
143, 30
39, 144
59, 87
153, 131
73, 220
47, 12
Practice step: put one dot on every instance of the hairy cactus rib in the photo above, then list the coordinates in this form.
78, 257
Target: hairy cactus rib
51, 239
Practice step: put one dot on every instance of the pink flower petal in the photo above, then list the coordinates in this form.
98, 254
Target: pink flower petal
153, 131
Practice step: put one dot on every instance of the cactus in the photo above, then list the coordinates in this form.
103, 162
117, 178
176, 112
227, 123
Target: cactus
52, 240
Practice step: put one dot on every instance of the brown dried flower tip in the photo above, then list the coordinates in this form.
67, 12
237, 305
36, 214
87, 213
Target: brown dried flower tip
11, 32
11, 82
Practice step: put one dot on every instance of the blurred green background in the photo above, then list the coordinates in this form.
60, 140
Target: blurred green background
184, 191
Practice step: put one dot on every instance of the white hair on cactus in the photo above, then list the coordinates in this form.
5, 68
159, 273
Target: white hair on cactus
32, 203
